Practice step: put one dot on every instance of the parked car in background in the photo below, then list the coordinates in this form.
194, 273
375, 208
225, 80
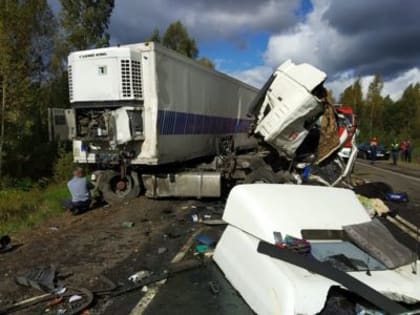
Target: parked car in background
381, 152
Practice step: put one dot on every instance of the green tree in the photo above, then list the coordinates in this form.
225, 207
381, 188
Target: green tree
330, 96
155, 37
374, 105
85, 23
25, 29
177, 38
206, 62
408, 109
353, 96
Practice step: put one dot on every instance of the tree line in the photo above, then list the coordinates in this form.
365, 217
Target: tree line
380, 116
34, 45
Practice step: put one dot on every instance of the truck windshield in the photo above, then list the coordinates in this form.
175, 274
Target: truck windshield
344, 256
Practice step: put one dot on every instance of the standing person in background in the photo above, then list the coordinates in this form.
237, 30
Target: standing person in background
395, 149
403, 149
373, 149
409, 150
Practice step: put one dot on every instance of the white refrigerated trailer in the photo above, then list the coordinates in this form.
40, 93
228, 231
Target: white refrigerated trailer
140, 106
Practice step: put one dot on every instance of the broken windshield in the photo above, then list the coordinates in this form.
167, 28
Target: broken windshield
344, 256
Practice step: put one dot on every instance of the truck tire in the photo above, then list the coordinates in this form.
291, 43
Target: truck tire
261, 175
108, 181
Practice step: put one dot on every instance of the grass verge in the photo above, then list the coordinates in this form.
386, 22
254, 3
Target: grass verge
26, 209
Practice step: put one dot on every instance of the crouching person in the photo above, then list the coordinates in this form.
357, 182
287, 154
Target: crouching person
79, 188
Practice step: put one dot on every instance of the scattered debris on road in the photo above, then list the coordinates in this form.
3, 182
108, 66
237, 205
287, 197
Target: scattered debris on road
5, 243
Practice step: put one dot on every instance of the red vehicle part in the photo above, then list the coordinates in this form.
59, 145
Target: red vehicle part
350, 125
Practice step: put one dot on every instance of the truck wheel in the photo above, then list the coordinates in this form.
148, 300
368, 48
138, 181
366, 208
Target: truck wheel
117, 189
261, 175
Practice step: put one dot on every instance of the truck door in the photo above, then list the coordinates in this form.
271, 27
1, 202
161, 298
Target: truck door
61, 124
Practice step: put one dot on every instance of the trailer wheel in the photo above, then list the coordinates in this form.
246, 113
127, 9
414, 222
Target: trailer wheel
261, 175
117, 189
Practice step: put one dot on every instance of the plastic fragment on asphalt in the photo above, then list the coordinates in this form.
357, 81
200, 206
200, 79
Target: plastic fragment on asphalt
59, 291
162, 250
201, 249
194, 218
144, 289
75, 298
128, 224
205, 240
140, 276
397, 197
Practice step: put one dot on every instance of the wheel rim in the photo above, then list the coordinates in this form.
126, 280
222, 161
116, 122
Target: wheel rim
121, 187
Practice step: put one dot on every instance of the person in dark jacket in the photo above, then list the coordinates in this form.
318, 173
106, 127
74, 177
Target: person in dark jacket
395, 149
409, 151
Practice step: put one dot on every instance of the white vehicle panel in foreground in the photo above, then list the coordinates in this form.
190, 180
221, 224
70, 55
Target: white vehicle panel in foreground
289, 209
272, 286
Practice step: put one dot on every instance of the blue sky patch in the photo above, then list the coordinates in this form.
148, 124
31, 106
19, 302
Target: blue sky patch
241, 53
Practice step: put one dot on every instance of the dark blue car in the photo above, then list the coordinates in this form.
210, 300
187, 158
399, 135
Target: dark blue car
364, 152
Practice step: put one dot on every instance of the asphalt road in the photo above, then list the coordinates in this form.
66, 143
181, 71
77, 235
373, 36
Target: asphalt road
400, 178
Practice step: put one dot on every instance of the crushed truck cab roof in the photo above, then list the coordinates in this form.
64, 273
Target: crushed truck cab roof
289, 209
259, 213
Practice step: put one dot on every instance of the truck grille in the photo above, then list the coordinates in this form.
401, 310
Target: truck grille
131, 79
70, 78
136, 74
125, 78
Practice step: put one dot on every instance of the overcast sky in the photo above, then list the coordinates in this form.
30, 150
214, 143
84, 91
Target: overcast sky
249, 38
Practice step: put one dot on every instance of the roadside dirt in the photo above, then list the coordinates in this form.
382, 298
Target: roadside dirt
97, 242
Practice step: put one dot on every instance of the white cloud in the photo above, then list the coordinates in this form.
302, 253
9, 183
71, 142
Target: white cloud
395, 87
316, 42
344, 79
313, 41
256, 76
204, 19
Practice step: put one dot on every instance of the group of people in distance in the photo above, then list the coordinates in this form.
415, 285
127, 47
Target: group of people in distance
403, 149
